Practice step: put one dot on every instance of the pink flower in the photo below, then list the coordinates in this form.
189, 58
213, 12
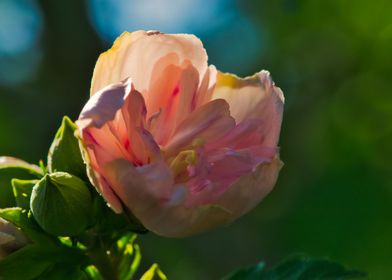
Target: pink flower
182, 146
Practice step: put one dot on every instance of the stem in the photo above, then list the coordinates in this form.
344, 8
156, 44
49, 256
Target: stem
102, 262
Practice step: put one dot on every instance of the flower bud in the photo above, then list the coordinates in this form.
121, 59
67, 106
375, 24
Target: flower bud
61, 204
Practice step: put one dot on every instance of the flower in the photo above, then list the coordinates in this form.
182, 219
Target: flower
11, 238
180, 145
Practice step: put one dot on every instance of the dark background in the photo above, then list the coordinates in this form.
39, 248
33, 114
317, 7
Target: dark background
331, 58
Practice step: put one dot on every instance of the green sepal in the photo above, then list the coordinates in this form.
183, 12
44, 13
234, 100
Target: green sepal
107, 221
22, 191
298, 267
14, 169
62, 205
64, 153
154, 273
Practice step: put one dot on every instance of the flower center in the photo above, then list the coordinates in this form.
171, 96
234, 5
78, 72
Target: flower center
183, 164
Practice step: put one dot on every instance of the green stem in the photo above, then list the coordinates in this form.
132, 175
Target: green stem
102, 262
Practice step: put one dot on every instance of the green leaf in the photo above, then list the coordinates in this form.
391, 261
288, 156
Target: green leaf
40, 261
25, 221
154, 273
64, 153
298, 267
22, 191
61, 204
25, 264
249, 273
44, 256
11, 168
63, 272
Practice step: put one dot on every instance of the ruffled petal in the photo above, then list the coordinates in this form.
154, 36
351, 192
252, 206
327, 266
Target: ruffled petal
254, 97
103, 106
207, 122
150, 194
172, 97
111, 127
217, 170
136, 54
251, 188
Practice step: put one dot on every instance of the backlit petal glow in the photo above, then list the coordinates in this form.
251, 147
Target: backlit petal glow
180, 145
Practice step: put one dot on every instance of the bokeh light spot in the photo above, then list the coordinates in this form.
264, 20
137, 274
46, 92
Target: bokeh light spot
20, 30
20, 26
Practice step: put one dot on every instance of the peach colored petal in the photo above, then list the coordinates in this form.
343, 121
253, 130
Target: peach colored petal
217, 170
206, 122
111, 127
253, 97
251, 188
173, 96
135, 55
103, 106
150, 195
207, 86
245, 134
139, 188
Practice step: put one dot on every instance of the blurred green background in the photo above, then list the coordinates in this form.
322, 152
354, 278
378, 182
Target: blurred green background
333, 60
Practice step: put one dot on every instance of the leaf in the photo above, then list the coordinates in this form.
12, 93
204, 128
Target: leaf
249, 273
25, 264
44, 256
21, 218
61, 203
154, 273
63, 272
43, 262
64, 153
22, 191
297, 267
11, 168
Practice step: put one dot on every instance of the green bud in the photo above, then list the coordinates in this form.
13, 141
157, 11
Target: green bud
64, 153
22, 191
61, 204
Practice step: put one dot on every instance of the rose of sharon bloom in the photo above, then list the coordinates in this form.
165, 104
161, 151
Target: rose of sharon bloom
180, 145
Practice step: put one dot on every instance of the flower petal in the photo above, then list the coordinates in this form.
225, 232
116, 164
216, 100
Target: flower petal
206, 122
217, 170
103, 106
251, 188
150, 194
173, 95
135, 55
111, 127
253, 97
